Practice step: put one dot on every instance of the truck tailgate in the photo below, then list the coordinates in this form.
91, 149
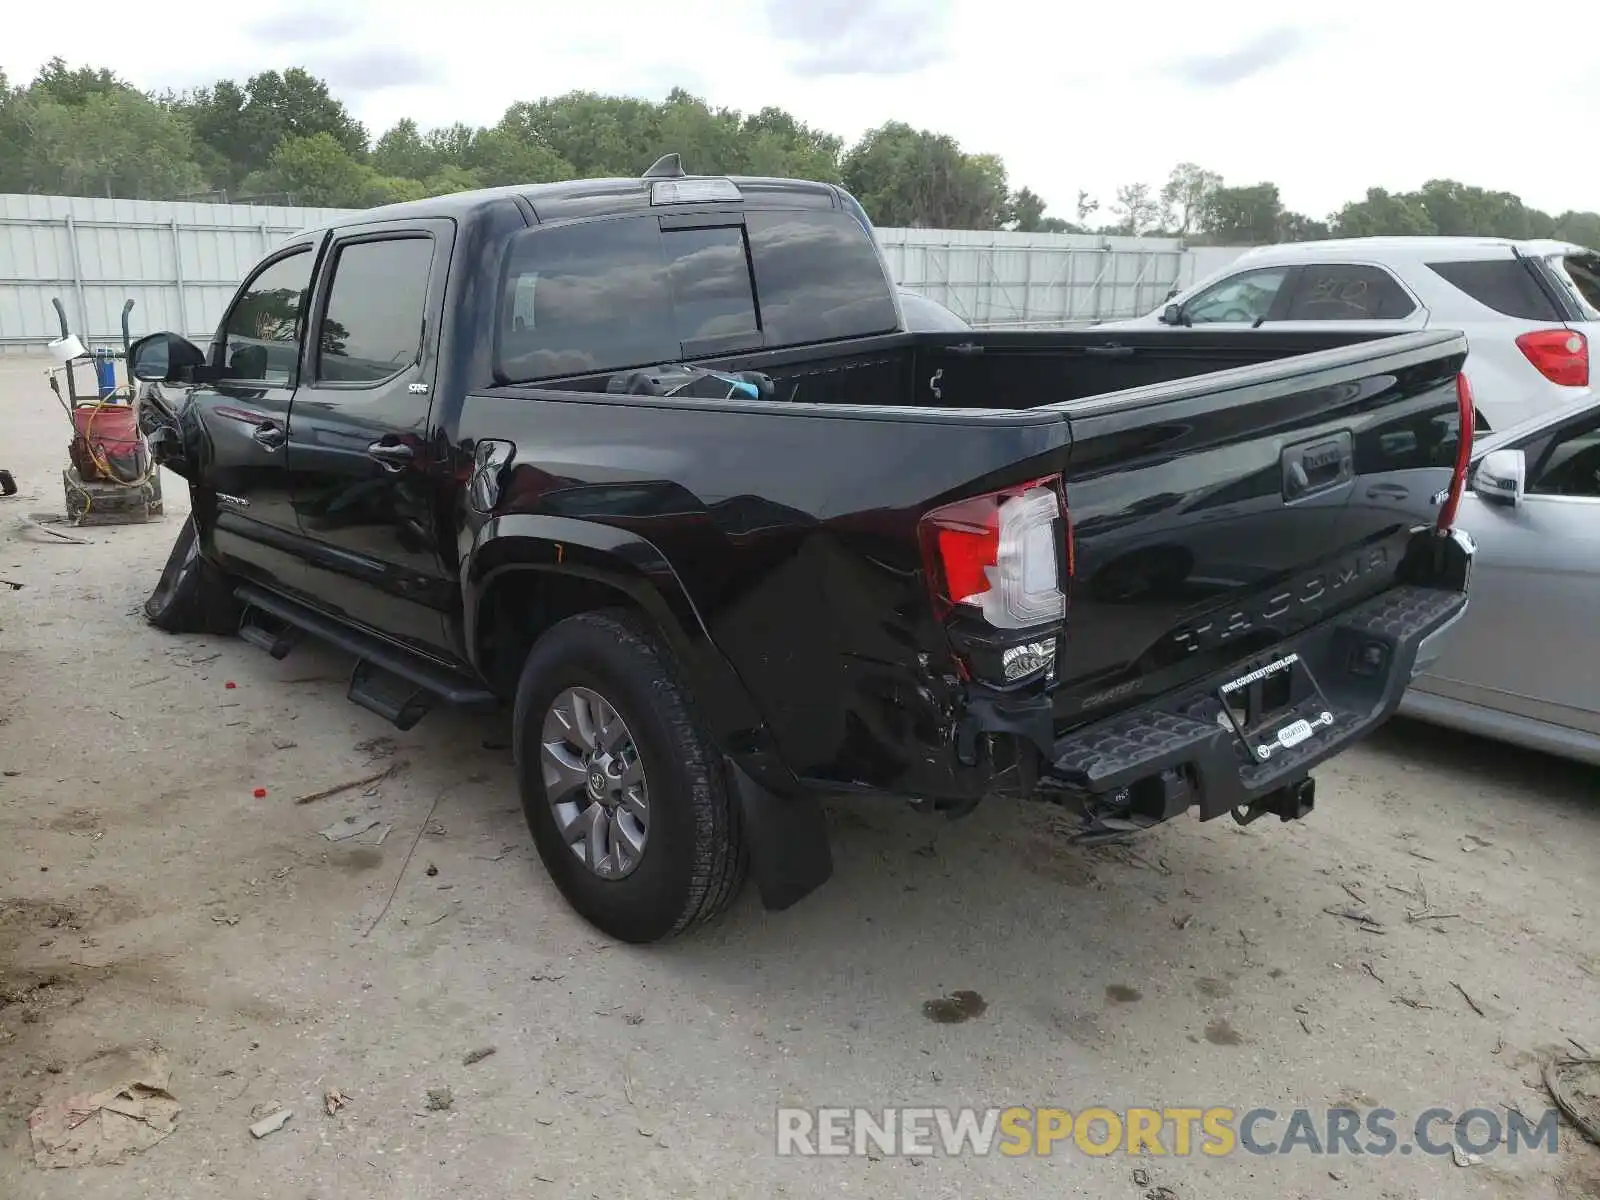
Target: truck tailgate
1215, 517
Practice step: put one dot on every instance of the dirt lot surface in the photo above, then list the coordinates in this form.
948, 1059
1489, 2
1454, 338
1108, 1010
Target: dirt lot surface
1418, 942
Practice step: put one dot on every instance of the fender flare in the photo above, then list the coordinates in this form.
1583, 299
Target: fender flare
634, 566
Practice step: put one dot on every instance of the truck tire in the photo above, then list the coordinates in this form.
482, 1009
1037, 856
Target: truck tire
192, 595
608, 749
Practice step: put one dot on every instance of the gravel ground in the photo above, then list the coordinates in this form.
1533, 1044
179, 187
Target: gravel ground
151, 898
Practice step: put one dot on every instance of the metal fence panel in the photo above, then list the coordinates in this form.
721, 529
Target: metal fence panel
180, 263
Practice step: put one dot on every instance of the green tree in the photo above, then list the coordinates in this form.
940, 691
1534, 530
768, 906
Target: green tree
60, 84
114, 143
1382, 213
597, 135
505, 155
451, 178
1580, 227
402, 151
1025, 210
317, 171
1025, 214
1297, 227
284, 134
245, 126
17, 156
1458, 209
905, 176
780, 146
1138, 210
1243, 216
1184, 196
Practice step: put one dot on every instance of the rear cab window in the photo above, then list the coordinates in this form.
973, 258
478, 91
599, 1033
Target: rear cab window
617, 293
818, 277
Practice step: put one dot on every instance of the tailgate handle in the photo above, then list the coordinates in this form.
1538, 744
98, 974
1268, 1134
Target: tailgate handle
1318, 466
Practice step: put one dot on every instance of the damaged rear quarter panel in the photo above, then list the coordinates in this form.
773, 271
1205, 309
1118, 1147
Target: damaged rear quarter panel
793, 529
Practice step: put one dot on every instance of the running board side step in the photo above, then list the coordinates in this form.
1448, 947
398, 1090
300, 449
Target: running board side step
267, 632
400, 687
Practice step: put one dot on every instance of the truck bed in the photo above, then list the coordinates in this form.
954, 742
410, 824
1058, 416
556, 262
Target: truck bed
1191, 548
1009, 370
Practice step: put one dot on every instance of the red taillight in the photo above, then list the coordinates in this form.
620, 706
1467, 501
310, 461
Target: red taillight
1560, 355
998, 554
1467, 413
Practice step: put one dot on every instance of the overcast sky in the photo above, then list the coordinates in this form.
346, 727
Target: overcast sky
1071, 96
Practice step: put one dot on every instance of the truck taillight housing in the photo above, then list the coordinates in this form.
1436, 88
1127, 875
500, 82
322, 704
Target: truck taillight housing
1000, 555
1467, 415
1560, 355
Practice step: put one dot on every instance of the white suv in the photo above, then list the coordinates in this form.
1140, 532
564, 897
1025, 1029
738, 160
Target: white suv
1530, 310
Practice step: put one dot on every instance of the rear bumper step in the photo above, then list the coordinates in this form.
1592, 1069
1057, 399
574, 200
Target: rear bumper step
1163, 758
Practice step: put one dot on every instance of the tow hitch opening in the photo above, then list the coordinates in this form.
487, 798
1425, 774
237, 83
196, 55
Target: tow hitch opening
1292, 802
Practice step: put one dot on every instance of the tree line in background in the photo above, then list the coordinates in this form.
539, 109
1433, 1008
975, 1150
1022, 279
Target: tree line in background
284, 138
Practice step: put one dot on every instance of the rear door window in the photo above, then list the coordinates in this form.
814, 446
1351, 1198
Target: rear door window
1506, 285
1347, 292
818, 277
372, 328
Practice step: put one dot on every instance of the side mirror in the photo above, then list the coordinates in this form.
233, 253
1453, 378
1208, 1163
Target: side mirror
164, 358
1501, 477
1172, 314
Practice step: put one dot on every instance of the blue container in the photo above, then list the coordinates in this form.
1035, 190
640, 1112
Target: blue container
105, 372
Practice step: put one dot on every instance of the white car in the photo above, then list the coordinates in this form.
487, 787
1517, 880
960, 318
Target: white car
1520, 664
1530, 309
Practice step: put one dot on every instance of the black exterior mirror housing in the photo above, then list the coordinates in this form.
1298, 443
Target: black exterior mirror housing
164, 358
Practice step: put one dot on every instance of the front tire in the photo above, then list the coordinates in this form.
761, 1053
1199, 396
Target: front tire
624, 794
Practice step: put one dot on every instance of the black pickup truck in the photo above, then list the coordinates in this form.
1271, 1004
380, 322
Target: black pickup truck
658, 462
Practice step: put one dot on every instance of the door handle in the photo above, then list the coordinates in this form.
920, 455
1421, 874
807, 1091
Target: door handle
270, 435
1387, 491
392, 456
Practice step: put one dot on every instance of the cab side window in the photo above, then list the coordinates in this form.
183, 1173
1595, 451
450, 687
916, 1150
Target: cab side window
1242, 298
1570, 465
372, 327
266, 326
1347, 292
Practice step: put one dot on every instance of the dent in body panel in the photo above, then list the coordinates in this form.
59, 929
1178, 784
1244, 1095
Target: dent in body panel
794, 535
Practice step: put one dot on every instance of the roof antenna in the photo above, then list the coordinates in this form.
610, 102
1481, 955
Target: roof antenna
668, 166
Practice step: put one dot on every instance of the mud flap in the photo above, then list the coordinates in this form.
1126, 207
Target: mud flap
787, 838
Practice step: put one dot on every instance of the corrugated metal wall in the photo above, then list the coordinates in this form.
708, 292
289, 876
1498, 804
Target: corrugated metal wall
180, 263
